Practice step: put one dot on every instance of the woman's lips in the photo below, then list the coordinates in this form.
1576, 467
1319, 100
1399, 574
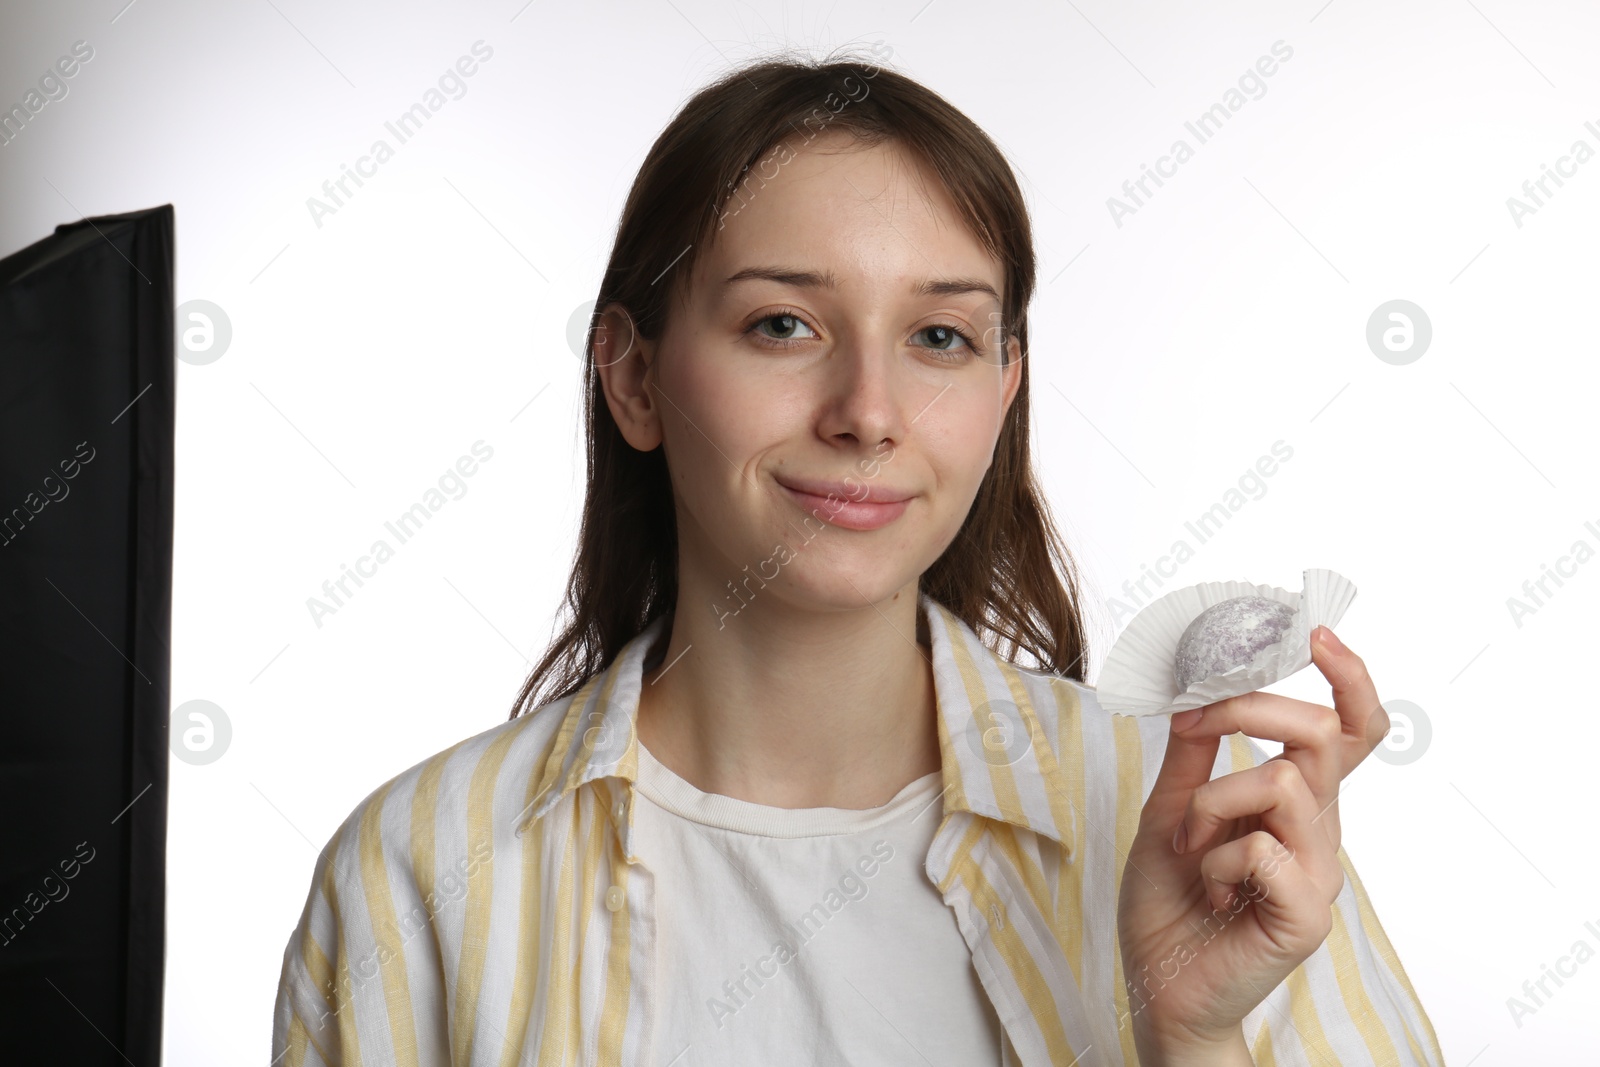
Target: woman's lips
840, 510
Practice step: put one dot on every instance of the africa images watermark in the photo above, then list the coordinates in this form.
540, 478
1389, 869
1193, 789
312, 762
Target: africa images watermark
55, 491
1582, 952
455, 884
403, 128
33, 903
782, 554
1204, 527
1250, 890
405, 526
816, 123
1566, 566
851, 887
52, 86
1203, 127
1581, 152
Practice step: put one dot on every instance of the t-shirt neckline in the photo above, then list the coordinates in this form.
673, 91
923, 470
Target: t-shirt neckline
659, 784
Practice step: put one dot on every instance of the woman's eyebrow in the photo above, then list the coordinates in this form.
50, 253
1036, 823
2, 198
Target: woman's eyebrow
810, 279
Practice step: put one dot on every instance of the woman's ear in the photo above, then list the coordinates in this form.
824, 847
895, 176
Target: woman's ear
1010, 375
624, 362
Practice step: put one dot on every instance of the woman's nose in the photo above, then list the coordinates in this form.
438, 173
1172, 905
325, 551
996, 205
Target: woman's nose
866, 390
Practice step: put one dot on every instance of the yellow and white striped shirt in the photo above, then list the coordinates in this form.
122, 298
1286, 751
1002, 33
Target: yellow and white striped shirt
478, 910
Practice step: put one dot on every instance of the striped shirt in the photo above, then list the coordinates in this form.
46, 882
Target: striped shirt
487, 907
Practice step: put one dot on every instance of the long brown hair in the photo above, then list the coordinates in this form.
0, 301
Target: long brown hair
1008, 573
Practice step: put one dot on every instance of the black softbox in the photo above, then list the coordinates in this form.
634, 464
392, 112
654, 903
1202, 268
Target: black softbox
86, 449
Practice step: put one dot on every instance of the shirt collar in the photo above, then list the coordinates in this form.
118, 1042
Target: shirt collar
995, 751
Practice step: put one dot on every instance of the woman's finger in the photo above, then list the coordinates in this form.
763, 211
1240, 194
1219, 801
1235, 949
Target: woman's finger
1290, 902
1310, 733
1277, 794
1363, 721
1185, 765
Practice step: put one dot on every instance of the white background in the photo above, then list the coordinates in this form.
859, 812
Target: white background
1229, 312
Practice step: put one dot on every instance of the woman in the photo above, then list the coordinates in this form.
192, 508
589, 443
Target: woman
769, 797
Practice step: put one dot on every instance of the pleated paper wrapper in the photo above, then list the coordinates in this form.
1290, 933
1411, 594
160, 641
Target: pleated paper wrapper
1139, 676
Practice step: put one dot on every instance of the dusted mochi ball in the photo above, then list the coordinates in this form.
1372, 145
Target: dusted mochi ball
1228, 635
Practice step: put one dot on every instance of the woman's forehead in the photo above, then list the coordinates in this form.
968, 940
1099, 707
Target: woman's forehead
848, 214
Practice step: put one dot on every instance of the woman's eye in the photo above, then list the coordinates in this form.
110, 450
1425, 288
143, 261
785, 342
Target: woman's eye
786, 325
944, 338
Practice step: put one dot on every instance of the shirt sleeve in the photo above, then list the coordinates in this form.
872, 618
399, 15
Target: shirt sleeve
1350, 1001
312, 1023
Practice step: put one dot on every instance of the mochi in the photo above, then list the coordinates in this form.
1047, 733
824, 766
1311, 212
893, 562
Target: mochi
1228, 635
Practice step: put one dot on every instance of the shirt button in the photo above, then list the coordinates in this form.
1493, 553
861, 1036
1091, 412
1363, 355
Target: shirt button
614, 898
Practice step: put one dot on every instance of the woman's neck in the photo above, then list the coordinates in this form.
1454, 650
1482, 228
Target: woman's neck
793, 708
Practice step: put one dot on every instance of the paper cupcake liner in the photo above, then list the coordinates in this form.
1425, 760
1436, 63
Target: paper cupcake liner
1139, 676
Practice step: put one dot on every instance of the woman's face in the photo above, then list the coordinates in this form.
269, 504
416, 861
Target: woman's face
821, 350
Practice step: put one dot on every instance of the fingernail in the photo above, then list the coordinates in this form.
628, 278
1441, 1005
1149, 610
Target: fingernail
1332, 642
1185, 719
1180, 839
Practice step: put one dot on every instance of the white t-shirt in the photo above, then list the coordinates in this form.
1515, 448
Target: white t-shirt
804, 935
